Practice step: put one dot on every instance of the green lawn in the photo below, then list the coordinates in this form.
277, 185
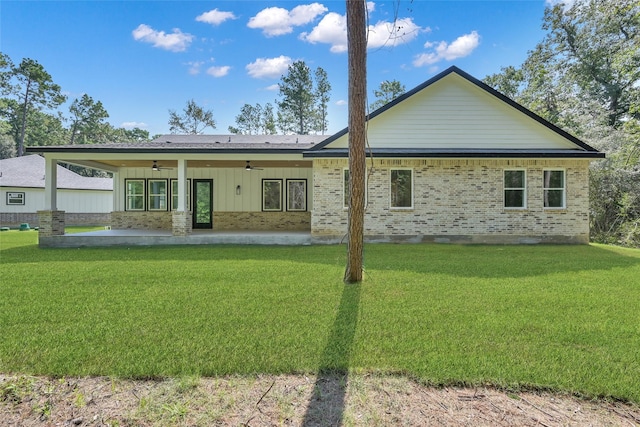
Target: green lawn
553, 317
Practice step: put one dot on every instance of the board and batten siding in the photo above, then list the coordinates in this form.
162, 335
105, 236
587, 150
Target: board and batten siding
455, 113
225, 181
70, 201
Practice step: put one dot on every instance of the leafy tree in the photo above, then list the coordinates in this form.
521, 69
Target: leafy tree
194, 120
43, 129
298, 101
34, 90
597, 44
303, 106
323, 89
585, 76
387, 92
7, 147
254, 120
6, 65
87, 116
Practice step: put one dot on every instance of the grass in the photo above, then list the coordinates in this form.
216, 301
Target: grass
563, 318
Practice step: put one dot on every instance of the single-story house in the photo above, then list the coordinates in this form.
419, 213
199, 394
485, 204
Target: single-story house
85, 200
452, 160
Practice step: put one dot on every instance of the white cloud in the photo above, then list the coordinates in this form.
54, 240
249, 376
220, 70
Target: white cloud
218, 71
269, 67
341, 102
132, 125
272, 87
332, 29
177, 41
459, 48
194, 67
215, 17
276, 21
392, 33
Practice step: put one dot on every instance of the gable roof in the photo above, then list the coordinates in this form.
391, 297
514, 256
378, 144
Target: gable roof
557, 143
28, 172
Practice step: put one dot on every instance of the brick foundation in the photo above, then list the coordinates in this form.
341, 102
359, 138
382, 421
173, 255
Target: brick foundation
51, 223
142, 220
264, 221
70, 218
182, 223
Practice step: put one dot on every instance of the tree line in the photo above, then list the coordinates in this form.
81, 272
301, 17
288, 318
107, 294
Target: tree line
30, 112
584, 76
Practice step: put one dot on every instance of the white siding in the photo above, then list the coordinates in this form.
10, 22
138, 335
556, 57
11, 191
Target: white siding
225, 181
72, 201
455, 113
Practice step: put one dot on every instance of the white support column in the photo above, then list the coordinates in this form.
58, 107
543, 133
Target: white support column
50, 184
182, 185
181, 216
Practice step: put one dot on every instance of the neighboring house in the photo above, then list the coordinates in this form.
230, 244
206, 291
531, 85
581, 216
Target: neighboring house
449, 161
22, 181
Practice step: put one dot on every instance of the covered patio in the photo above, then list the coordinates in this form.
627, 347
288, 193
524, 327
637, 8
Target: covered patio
192, 189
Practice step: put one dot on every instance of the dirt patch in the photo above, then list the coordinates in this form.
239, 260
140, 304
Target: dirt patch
289, 400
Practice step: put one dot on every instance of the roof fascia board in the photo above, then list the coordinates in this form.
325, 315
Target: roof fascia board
173, 150
561, 154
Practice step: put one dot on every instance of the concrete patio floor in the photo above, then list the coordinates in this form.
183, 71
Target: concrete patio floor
131, 237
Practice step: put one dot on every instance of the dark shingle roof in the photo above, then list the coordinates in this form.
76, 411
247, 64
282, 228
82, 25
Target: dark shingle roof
28, 172
199, 144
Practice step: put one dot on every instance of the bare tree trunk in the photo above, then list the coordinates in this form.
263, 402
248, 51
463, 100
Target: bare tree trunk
23, 126
357, 45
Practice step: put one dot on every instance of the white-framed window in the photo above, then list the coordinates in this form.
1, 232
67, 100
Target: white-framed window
345, 188
134, 194
515, 189
296, 195
15, 198
271, 195
401, 189
174, 194
157, 194
346, 191
554, 189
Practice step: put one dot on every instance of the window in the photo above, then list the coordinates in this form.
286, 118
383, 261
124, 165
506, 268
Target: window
271, 195
174, 194
515, 189
554, 189
15, 198
345, 188
297, 195
134, 195
401, 188
157, 194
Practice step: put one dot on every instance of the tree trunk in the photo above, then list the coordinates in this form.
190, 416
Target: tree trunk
357, 47
23, 126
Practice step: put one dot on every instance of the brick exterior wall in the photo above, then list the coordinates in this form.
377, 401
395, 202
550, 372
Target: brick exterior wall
455, 200
51, 223
142, 220
15, 219
182, 223
265, 221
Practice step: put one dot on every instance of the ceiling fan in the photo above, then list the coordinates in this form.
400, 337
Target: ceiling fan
155, 167
251, 168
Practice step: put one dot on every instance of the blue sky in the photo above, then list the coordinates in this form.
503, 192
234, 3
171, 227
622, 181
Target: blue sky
143, 58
